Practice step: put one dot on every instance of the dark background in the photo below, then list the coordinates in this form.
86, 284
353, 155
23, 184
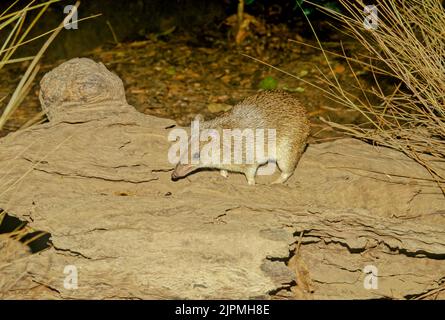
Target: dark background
134, 20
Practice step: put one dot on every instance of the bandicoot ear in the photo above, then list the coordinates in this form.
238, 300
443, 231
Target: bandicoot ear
199, 117
214, 134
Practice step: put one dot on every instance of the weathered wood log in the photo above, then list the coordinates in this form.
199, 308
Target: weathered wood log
100, 184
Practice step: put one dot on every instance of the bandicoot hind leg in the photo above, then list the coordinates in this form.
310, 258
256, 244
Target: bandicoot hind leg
224, 173
250, 173
287, 165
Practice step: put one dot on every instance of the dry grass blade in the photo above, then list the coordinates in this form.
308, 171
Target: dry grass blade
29, 7
408, 47
16, 37
28, 77
46, 33
436, 292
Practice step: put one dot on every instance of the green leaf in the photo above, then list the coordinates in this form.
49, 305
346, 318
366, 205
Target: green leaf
298, 4
268, 83
332, 5
247, 2
171, 71
307, 11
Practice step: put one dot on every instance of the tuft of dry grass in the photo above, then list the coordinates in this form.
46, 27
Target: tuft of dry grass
408, 46
17, 37
17, 21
